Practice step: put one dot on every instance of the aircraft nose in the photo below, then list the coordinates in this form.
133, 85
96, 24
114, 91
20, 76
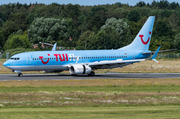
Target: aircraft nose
6, 63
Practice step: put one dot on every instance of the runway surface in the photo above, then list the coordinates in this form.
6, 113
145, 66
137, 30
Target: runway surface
97, 76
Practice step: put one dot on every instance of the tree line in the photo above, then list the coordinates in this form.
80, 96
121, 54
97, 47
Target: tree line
109, 26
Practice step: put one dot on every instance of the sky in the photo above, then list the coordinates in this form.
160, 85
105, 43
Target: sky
81, 2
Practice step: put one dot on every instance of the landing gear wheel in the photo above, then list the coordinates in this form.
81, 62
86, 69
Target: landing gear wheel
92, 74
20, 75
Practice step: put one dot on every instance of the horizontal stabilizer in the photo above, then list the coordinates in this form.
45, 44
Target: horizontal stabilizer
156, 52
155, 55
155, 61
152, 52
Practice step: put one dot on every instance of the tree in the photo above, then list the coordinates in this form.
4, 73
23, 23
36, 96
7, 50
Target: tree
161, 28
119, 25
1, 22
73, 11
80, 48
119, 4
163, 4
2, 19
48, 30
144, 11
83, 39
141, 4
159, 41
135, 28
90, 41
96, 18
17, 41
166, 13
8, 28
20, 20
19, 31
107, 38
174, 21
2, 40
119, 13
173, 5
114, 39
154, 3
134, 15
177, 42
31, 17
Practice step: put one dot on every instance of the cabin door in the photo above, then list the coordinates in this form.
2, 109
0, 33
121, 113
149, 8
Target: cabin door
28, 59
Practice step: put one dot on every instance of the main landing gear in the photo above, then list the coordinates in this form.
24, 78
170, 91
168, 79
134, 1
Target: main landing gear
92, 74
20, 75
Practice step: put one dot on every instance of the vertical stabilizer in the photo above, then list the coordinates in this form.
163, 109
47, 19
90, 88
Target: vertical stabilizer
143, 38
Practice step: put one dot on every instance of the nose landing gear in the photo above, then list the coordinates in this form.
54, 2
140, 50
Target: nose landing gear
20, 75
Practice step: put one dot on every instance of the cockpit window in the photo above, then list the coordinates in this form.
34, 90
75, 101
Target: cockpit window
14, 58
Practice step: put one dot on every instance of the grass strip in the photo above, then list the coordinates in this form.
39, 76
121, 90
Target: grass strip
134, 112
117, 89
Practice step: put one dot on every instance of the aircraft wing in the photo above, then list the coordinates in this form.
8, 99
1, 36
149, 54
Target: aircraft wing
113, 63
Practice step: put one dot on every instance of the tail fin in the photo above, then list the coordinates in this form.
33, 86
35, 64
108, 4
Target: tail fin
142, 40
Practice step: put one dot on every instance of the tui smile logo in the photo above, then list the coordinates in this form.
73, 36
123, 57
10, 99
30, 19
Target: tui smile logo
145, 42
41, 57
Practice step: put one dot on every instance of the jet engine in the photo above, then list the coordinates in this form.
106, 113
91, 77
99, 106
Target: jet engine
79, 69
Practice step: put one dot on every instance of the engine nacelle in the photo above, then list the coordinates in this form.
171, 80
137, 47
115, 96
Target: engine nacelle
80, 69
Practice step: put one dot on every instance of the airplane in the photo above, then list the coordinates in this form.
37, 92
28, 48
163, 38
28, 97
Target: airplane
86, 61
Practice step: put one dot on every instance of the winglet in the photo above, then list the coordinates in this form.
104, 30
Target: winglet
155, 54
54, 47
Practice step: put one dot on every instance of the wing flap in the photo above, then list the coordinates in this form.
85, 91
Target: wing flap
115, 62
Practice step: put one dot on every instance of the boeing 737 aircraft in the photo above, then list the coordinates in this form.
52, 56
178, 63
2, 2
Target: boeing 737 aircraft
85, 61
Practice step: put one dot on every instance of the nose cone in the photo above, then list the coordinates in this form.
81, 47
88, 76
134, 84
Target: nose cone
6, 63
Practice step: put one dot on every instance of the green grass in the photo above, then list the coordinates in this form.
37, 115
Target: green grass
124, 89
133, 112
82, 96
123, 98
